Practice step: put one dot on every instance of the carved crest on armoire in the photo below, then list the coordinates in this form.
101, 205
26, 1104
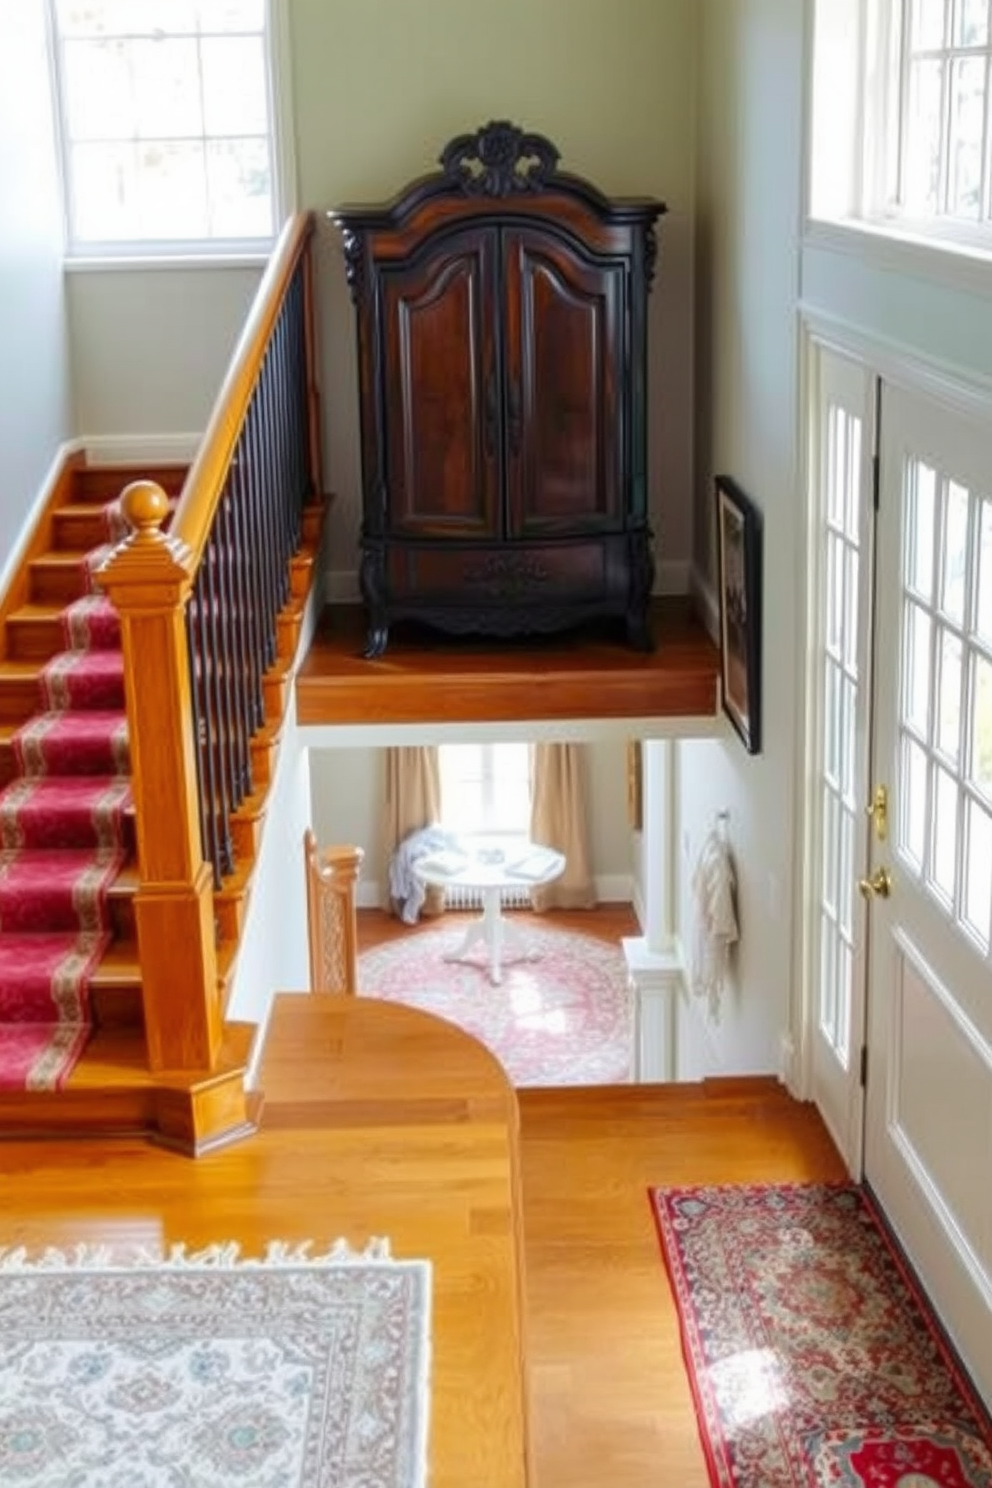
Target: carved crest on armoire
502, 346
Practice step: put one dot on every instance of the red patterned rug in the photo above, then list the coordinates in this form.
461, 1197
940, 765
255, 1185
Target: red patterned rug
63, 839
812, 1354
563, 1018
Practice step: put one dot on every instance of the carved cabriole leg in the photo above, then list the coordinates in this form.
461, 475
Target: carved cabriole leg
372, 580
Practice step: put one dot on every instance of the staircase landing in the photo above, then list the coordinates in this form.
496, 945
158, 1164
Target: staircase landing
427, 677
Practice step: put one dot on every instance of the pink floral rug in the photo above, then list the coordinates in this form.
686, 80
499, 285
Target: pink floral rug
563, 1018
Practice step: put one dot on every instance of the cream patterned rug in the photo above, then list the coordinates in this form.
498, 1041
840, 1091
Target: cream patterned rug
209, 1370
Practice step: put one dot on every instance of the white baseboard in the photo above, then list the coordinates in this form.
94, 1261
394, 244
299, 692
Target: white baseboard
672, 577
138, 449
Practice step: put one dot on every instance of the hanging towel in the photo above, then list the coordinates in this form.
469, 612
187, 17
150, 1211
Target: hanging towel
714, 888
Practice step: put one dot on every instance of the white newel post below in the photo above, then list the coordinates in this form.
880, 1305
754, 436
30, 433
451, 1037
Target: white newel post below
654, 967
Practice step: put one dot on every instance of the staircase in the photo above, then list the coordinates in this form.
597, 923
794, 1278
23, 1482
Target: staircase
139, 732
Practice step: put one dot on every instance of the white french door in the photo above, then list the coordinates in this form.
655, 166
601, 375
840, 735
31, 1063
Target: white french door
928, 1137
842, 515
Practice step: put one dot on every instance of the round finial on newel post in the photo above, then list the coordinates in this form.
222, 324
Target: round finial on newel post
145, 507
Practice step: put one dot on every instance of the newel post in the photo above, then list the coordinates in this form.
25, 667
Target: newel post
148, 578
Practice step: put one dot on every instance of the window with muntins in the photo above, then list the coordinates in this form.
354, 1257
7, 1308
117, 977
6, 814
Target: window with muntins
166, 126
485, 788
901, 117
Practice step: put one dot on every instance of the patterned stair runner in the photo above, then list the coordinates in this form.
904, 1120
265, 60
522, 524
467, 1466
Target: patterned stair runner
63, 840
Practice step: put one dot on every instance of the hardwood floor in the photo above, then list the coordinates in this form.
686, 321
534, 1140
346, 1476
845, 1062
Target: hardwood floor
426, 677
609, 922
610, 1400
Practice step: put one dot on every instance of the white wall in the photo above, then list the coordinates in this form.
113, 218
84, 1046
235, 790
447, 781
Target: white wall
34, 397
749, 133
346, 789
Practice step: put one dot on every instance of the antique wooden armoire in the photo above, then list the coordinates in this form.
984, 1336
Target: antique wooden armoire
502, 333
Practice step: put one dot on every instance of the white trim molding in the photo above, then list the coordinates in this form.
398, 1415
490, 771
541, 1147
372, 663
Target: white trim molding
656, 982
139, 449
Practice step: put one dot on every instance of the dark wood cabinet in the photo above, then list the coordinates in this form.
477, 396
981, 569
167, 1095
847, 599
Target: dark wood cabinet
502, 334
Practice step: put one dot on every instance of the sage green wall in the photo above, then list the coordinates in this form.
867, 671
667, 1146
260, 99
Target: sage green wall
381, 85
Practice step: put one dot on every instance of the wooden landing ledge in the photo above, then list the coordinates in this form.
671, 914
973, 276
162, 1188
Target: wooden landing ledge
428, 677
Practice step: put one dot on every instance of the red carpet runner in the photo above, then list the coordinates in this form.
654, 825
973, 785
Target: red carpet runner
62, 843
812, 1355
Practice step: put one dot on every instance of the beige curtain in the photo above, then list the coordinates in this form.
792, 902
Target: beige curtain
558, 820
412, 800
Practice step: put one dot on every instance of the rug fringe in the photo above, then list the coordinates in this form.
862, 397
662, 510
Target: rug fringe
219, 1255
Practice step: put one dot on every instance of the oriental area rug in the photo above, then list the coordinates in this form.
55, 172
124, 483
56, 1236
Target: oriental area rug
212, 1371
812, 1353
561, 1018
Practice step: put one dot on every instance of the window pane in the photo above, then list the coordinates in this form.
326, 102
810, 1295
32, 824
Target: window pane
928, 24
919, 529
172, 191
983, 607
981, 738
98, 91
916, 670
231, 15
105, 193
967, 130
921, 188
234, 99
978, 873
971, 22
955, 551
949, 710
124, 17
851, 618
945, 834
167, 89
913, 813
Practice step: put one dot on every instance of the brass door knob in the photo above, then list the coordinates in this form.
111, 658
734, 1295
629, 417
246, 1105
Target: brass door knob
879, 886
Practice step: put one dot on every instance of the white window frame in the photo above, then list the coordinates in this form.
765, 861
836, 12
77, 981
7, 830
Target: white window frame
230, 252
855, 158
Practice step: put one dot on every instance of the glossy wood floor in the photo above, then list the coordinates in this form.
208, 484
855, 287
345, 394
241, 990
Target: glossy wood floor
609, 1402
426, 677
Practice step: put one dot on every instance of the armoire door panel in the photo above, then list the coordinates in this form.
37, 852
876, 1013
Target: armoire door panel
565, 428
443, 440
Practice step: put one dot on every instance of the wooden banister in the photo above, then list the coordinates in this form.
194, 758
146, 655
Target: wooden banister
201, 610
148, 578
205, 482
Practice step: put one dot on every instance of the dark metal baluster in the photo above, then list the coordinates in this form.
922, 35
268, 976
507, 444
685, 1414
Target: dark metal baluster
255, 473
204, 746
285, 446
245, 581
241, 662
227, 663
215, 707
271, 481
301, 436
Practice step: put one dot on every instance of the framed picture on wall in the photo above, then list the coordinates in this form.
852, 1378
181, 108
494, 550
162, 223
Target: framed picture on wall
738, 535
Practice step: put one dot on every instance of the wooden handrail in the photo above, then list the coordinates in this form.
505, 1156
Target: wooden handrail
204, 484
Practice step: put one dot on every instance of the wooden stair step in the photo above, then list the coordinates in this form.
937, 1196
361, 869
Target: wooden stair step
58, 576
80, 524
103, 483
20, 691
34, 632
